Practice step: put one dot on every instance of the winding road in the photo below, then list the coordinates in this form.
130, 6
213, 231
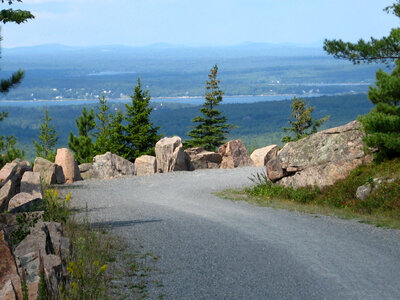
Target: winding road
212, 248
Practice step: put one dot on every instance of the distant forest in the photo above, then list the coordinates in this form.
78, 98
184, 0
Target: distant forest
258, 124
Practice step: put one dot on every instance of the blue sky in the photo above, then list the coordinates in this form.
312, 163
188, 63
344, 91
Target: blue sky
197, 22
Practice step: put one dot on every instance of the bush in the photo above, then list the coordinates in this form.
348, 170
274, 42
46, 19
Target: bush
382, 128
55, 208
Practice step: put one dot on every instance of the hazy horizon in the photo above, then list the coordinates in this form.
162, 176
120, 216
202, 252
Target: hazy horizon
203, 23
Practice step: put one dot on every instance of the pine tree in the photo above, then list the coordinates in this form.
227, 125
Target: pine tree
13, 16
82, 145
211, 130
385, 49
8, 151
102, 133
116, 137
47, 139
140, 135
302, 121
382, 124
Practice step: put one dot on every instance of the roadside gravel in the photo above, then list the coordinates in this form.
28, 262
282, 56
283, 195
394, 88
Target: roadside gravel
212, 248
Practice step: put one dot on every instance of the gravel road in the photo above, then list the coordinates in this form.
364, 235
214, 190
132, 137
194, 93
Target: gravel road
212, 248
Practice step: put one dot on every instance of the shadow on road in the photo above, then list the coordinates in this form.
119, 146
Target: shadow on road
116, 224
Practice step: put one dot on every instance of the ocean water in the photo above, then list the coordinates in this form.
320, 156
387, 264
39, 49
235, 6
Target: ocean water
185, 100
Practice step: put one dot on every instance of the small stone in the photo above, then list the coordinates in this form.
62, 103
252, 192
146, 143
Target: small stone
363, 191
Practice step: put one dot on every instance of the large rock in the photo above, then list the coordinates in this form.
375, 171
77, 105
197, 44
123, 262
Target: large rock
66, 160
14, 170
10, 282
10, 180
261, 156
234, 154
42, 243
50, 173
320, 159
30, 183
109, 166
145, 165
87, 171
7, 172
171, 156
23, 202
7, 191
202, 159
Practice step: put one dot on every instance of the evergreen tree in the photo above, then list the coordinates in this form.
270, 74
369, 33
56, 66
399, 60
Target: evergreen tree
102, 133
382, 124
211, 130
82, 145
116, 137
8, 151
302, 121
13, 16
47, 139
140, 135
386, 49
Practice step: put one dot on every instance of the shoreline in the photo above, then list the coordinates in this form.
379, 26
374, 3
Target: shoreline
172, 97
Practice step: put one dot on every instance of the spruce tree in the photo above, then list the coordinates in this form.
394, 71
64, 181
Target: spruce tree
47, 139
102, 133
211, 130
82, 145
116, 140
302, 123
140, 135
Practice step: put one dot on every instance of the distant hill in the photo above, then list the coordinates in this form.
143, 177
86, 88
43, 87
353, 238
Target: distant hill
172, 51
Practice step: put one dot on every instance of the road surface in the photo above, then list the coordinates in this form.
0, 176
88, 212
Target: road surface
212, 248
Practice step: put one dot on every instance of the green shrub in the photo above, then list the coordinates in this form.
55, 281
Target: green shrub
55, 208
25, 223
382, 128
92, 250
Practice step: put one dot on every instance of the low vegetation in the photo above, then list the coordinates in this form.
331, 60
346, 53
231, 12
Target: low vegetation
101, 265
381, 207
